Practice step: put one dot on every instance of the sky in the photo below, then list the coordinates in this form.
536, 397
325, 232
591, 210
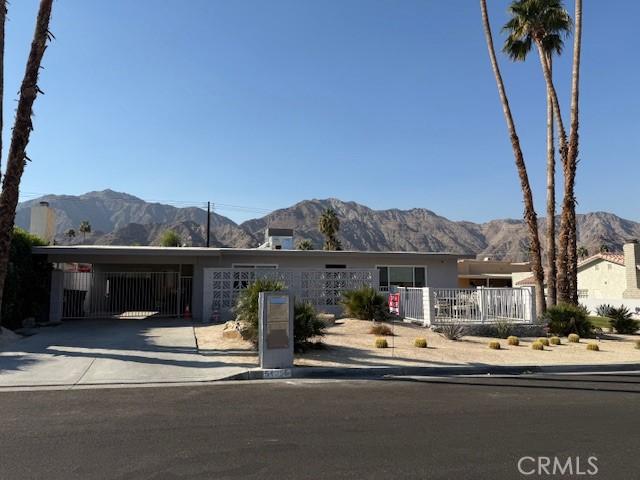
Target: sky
262, 104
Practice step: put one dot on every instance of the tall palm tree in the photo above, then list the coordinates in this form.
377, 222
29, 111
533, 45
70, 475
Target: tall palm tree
569, 201
305, 245
70, 234
85, 227
530, 216
3, 19
604, 248
583, 252
22, 128
329, 226
543, 23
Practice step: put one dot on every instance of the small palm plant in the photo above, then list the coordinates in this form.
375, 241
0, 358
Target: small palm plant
366, 303
622, 321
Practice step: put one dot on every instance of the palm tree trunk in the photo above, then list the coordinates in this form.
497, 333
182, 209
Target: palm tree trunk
20, 137
551, 204
3, 18
529, 211
570, 201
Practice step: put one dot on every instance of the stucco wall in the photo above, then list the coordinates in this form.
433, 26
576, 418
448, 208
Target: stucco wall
602, 279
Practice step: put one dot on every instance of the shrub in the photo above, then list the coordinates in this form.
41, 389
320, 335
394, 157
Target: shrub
365, 304
564, 319
544, 341
503, 328
381, 329
513, 340
452, 331
26, 289
381, 343
621, 320
494, 345
593, 346
170, 238
573, 338
603, 310
555, 341
537, 346
306, 324
420, 342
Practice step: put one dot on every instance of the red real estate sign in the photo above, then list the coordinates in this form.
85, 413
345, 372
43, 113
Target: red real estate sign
394, 303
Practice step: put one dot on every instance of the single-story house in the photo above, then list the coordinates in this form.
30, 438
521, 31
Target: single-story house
204, 282
487, 272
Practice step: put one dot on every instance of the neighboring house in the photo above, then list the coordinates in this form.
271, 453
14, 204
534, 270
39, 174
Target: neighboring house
608, 278
486, 272
146, 281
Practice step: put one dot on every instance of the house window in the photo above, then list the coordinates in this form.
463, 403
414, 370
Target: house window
335, 266
401, 276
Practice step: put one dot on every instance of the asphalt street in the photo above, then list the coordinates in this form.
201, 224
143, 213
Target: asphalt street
453, 428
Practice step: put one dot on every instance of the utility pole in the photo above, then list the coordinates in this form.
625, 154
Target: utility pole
208, 222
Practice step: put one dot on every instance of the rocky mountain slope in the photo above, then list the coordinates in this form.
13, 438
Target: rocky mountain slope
122, 219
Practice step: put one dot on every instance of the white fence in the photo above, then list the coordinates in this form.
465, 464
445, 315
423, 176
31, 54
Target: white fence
431, 306
322, 288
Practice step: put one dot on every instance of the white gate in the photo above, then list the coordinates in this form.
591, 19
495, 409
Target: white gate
125, 294
322, 288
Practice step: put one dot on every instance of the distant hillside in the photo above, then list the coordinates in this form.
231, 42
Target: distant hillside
122, 219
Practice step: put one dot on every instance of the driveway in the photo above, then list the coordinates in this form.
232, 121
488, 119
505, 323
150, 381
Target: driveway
98, 352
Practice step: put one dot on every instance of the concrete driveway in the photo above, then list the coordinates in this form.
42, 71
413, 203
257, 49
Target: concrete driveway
98, 352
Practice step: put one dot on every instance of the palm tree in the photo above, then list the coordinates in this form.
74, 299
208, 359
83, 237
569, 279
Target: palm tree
543, 23
70, 234
17, 157
329, 226
85, 227
604, 248
583, 252
530, 216
3, 18
305, 245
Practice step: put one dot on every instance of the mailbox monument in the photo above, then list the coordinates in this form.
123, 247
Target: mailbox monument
276, 329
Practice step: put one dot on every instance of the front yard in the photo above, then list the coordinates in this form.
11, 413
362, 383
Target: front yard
348, 343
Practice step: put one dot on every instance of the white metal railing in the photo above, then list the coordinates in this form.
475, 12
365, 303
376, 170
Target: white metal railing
483, 305
125, 294
322, 288
411, 303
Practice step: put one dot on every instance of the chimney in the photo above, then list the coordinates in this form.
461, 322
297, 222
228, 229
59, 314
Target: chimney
43, 222
632, 274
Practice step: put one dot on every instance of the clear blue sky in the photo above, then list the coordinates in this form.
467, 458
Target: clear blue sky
265, 103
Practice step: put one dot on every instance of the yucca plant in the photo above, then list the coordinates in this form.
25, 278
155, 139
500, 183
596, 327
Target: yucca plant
603, 310
537, 346
593, 346
381, 343
622, 322
573, 338
513, 341
494, 345
452, 331
420, 342
365, 303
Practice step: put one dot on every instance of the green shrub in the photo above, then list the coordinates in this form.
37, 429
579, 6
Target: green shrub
170, 238
593, 346
452, 331
555, 341
513, 340
366, 303
381, 343
621, 320
603, 310
381, 329
503, 328
544, 341
420, 342
537, 346
306, 324
494, 345
564, 319
26, 289
573, 338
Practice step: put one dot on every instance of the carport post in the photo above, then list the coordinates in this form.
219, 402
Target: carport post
56, 296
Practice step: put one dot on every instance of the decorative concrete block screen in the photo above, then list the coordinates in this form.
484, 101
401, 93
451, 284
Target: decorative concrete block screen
432, 306
322, 288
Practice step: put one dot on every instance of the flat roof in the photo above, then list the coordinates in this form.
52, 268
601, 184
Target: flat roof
107, 250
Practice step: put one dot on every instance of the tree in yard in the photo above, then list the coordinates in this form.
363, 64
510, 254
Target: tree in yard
329, 226
542, 23
23, 125
583, 252
530, 216
70, 234
305, 245
170, 238
604, 248
85, 227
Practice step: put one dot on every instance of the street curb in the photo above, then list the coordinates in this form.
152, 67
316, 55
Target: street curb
382, 372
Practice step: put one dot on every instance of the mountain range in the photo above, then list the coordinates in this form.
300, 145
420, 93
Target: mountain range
121, 219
